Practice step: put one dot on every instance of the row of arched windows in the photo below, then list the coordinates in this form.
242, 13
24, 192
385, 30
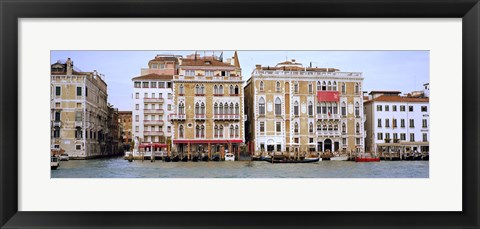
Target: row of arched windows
200, 108
225, 109
321, 86
218, 90
278, 106
200, 89
218, 131
326, 126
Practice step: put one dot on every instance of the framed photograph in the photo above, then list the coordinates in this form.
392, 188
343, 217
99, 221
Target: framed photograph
228, 114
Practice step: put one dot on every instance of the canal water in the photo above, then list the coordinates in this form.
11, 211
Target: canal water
119, 168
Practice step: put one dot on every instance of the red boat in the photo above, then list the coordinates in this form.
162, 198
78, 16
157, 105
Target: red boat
367, 159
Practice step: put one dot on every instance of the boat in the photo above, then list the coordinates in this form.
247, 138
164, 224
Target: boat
367, 159
216, 158
205, 158
54, 162
195, 158
64, 157
339, 158
185, 159
229, 157
286, 160
176, 158
168, 159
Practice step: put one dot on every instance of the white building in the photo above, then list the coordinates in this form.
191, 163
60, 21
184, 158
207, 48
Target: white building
394, 120
152, 104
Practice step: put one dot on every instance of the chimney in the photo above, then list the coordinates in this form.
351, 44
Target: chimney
69, 66
258, 66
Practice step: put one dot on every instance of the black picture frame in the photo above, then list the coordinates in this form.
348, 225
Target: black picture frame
11, 11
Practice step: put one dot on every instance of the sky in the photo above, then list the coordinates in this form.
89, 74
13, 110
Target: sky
404, 71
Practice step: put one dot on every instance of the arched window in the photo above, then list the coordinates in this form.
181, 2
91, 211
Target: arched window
197, 131
329, 108
221, 131
181, 108
232, 133
215, 109
278, 87
295, 128
319, 108
334, 85
310, 108
335, 108
180, 131
295, 108
357, 109
357, 88
231, 109
278, 106
197, 89
335, 127
344, 128
344, 88
344, 109
324, 86
231, 90
295, 87
237, 131
203, 131
225, 109
202, 109
181, 90
324, 108
261, 106
216, 131
329, 88
237, 109
220, 109
357, 128
236, 90
197, 108
261, 86
215, 89
330, 126
310, 127
319, 126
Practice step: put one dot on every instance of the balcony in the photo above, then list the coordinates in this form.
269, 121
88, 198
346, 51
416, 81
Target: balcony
153, 133
153, 100
153, 111
78, 124
226, 117
57, 123
200, 117
154, 122
177, 117
326, 116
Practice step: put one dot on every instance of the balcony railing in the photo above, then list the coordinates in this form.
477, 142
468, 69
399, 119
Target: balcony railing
226, 117
153, 111
153, 100
177, 117
326, 116
153, 122
200, 117
153, 133
78, 124
57, 123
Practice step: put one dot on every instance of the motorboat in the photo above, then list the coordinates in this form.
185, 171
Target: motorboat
168, 159
176, 158
64, 157
54, 162
339, 158
195, 158
185, 158
286, 160
229, 157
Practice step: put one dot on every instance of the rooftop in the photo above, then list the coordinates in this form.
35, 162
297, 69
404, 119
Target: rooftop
389, 98
153, 76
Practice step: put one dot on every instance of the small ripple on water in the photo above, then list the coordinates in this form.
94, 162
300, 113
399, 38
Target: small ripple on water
119, 168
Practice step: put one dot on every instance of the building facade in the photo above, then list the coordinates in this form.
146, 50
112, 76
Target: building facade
79, 111
292, 108
125, 121
397, 122
153, 102
208, 100
113, 135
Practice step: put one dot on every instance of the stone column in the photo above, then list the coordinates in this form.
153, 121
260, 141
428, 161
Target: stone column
209, 151
188, 150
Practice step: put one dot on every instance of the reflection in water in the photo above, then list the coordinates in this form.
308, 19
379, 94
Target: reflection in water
119, 168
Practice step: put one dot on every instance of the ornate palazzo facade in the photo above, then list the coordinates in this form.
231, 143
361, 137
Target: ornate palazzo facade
292, 108
208, 101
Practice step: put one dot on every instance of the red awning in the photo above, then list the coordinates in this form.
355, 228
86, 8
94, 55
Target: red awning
197, 141
328, 96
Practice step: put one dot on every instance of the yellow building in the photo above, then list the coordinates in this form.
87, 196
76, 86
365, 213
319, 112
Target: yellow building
79, 112
208, 99
292, 108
